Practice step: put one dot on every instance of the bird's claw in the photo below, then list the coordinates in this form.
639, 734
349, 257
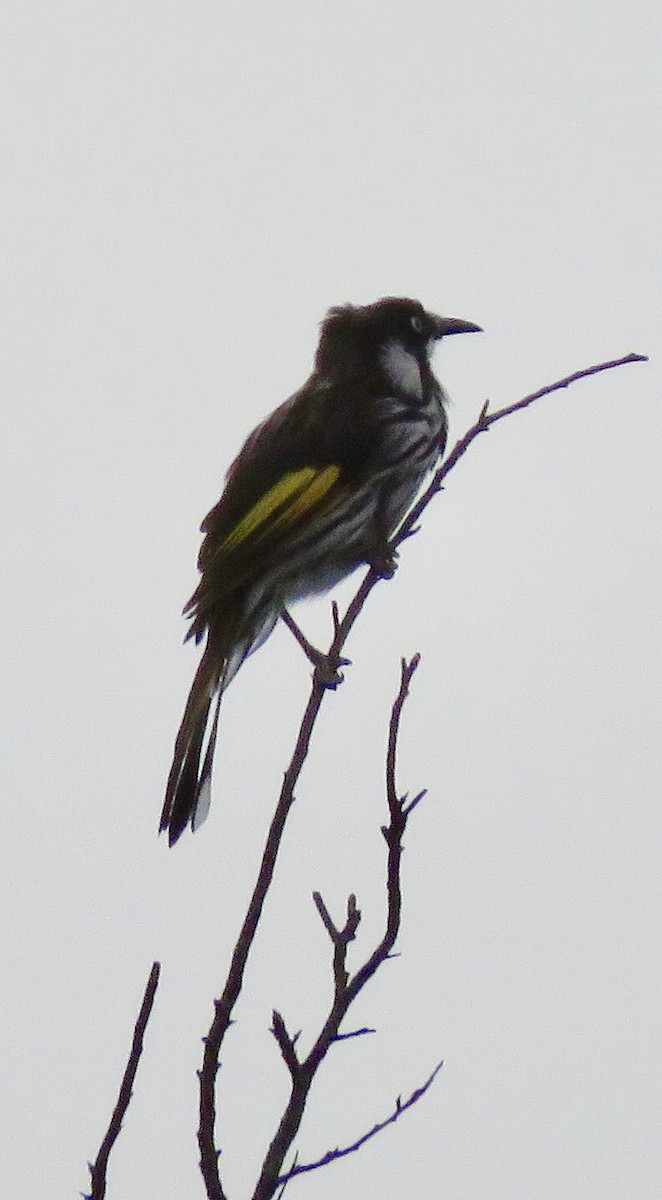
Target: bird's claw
384, 563
328, 668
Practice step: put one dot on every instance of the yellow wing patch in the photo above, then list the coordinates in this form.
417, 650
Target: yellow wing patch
285, 502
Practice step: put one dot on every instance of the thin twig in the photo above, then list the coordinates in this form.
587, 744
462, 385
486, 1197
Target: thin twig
487, 419
340, 1152
287, 1178
406, 672
99, 1168
352, 1033
285, 1042
566, 382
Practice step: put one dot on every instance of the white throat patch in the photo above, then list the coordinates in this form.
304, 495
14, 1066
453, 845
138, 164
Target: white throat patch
402, 368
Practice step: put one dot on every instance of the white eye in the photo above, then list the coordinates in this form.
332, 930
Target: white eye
417, 324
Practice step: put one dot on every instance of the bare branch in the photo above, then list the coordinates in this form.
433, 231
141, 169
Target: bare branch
346, 989
322, 680
223, 1007
566, 382
339, 937
485, 420
332, 1155
99, 1168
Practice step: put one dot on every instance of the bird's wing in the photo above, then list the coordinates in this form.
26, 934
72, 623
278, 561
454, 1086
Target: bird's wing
301, 462
285, 504
293, 464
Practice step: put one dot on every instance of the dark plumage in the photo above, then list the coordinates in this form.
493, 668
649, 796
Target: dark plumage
315, 492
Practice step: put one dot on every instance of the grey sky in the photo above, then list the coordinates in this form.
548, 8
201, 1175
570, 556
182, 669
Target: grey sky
186, 190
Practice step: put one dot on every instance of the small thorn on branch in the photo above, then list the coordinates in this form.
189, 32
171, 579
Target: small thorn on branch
342, 1037
406, 811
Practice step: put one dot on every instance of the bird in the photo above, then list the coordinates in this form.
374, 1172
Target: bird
316, 491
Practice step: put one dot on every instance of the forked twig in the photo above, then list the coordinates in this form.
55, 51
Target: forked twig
346, 986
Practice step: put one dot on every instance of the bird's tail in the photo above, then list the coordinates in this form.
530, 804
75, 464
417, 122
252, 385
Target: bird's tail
188, 792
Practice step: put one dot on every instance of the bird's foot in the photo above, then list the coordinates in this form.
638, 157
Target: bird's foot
384, 561
327, 666
327, 669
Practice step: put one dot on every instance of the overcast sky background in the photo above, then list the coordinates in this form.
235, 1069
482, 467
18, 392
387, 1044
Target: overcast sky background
186, 189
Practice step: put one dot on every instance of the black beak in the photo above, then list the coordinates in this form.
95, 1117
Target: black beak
447, 325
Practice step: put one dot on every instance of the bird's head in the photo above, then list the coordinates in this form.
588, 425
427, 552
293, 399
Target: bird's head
352, 335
